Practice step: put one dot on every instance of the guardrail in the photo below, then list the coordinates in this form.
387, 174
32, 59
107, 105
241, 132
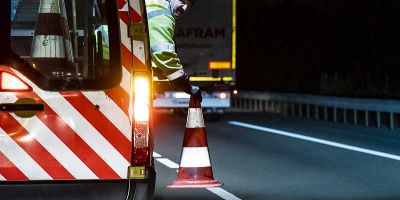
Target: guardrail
378, 113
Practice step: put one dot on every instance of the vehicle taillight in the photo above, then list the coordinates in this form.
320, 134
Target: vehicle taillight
141, 131
11, 83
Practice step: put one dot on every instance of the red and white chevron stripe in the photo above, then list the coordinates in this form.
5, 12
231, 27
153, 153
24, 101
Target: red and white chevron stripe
79, 135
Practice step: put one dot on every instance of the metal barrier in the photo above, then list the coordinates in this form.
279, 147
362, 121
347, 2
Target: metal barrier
378, 113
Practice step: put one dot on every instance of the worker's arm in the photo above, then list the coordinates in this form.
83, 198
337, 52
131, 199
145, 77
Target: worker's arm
163, 54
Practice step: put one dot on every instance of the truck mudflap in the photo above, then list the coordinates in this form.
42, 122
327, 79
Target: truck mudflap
80, 189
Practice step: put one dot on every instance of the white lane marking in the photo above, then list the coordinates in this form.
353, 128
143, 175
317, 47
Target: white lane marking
223, 193
111, 111
55, 147
156, 155
195, 157
82, 127
2, 178
218, 191
167, 162
316, 140
29, 167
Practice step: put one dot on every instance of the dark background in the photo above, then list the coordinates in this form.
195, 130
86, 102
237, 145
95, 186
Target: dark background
328, 47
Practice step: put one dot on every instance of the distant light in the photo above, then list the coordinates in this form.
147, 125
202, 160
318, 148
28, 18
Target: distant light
222, 95
235, 92
181, 95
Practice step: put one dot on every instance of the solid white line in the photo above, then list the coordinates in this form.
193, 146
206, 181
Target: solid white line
156, 155
167, 162
2, 178
223, 193
316, 140
55, 147
112, 112
83, 128
29, 167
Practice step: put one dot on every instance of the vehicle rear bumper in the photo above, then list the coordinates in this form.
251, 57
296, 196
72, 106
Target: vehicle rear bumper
78, 190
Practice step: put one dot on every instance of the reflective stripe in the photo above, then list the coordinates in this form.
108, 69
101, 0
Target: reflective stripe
195, 118
195, 157
135, 5
111, 110
49, 6
126, 80
175, 75
21, 159
83, 128
163, 47
55, 147
138, 47
2, 178
124, 37
156, 13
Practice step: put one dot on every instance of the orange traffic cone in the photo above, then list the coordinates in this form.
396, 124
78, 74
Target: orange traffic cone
195, 169
51, 51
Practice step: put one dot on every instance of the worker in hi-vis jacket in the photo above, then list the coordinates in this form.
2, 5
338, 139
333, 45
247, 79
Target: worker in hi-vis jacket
161, 16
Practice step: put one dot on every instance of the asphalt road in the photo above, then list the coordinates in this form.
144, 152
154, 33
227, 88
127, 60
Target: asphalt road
293, 159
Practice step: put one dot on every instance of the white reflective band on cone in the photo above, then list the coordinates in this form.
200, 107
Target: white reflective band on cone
195, 157
195, 118
49, 6
49, 46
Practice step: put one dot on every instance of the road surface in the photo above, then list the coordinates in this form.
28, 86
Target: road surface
266, 156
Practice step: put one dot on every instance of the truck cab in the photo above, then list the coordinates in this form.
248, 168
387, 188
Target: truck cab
75, 100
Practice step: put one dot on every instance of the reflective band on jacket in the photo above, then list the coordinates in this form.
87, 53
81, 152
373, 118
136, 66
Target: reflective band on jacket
195, 118
195, 157
156, 13
163, 47
175, 75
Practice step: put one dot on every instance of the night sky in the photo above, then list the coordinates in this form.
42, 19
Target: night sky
329, 47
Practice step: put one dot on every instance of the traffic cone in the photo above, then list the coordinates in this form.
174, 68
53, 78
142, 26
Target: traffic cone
195, 169
51, 51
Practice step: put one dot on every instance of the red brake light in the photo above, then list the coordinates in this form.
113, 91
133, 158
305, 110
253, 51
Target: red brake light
11, 83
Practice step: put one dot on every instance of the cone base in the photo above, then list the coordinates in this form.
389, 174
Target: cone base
195, 184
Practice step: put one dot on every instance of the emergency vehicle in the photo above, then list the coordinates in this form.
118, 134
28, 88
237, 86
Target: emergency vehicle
75, 117
206, 44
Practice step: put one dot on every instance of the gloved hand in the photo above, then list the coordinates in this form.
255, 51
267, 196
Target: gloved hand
183, 84
196, 93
